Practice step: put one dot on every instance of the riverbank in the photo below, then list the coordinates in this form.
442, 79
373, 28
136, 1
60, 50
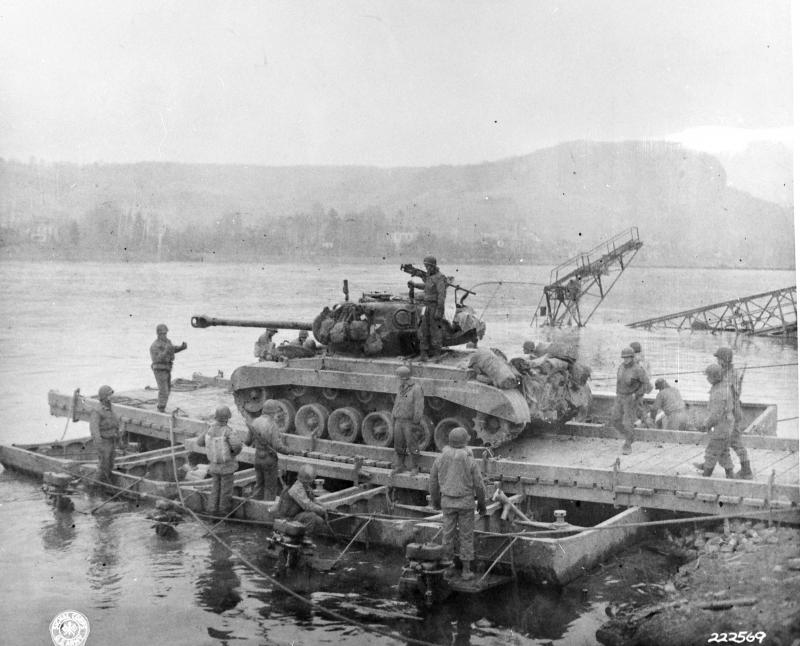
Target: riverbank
743, 578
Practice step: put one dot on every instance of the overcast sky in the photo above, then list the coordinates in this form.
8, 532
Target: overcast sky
387, 83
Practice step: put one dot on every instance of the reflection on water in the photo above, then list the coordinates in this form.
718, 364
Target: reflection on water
217, 586
58, 534
103, 574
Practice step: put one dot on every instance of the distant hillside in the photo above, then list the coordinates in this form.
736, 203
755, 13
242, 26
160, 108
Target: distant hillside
568, 197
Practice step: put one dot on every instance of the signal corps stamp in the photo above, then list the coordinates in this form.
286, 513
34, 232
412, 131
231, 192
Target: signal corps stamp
69, 628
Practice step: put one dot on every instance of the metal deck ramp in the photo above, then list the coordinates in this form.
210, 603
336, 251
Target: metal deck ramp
578, 285
767, 314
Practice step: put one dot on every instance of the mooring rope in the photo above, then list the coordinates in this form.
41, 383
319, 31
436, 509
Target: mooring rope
698, 372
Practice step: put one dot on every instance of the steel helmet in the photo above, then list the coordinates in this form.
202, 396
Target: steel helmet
626, 352
660, 384
303, 334
636, 346
458, 437
306, 473
724, 354
429, 260
161, 327
105, 391
528, 347
271, 406
222, 414
404, 372
714, 373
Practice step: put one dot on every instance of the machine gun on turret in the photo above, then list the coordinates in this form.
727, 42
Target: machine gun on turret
416, 272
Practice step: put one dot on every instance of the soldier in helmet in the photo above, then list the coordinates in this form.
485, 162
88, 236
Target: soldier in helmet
719, 423
162, 354
406, 415
104, 426
734, 380
632, 383
222, 446
264, 349
455, 485
669, 401
298, 504
430, 325
263, 434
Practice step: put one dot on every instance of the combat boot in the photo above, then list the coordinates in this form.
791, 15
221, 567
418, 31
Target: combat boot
700, 466
707, 472
399, 463
745, 473
466, 571
729, 474
414, 459
626, 447
423, 355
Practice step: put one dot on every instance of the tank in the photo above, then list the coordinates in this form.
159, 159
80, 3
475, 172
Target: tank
344, 390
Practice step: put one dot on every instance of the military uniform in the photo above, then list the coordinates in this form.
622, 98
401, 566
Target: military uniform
731, 377
104, 426
455, 485
430, 325
670, 401
162, 354
264, 436
632, 383
720, 424
406, 415
297, 503
264, 348
222, 446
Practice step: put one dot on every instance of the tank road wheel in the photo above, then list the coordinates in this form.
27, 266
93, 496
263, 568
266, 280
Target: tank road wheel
253, 399
443, 428
344, 424
424, 432
285, 418
377, 429
365, 396
493, 431
310, 419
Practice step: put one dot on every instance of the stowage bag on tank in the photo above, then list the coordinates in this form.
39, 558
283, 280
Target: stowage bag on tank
485, 362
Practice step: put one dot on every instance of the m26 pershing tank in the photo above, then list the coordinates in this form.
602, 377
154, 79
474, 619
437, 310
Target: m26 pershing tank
345, 390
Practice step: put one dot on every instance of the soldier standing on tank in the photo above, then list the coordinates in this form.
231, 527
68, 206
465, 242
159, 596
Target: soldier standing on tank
162, 354
734, 380
455, 485
719, 423
632, 383
104, 426
264, 349
430, 324
222, 446
406, 415
263, 434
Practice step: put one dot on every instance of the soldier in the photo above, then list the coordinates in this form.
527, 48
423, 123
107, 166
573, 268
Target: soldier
264, 349
719, 422
297, 502
264, 435
430, 325
162, 354
104, 426
642, 412
222, 446
455, 485
304, 340
406, 415
734, 380
632, 383
670, 401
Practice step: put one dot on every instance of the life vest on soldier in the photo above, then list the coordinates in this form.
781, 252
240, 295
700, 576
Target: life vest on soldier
287, 506
219, 450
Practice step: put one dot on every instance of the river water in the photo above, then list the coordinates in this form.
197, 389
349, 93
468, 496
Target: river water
69, 325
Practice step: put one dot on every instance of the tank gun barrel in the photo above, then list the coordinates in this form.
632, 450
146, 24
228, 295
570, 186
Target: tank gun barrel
203, 321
